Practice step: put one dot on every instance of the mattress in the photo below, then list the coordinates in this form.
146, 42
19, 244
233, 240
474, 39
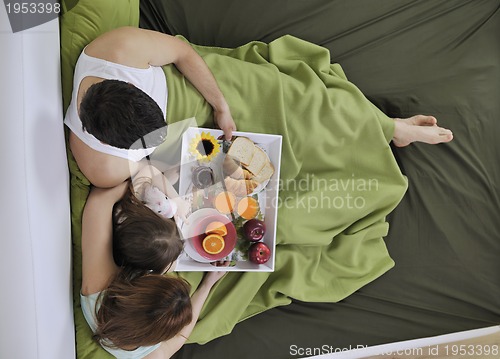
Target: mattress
408, 57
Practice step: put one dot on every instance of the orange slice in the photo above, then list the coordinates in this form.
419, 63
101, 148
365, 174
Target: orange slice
224, 202
213, 244
216, 227
248, 207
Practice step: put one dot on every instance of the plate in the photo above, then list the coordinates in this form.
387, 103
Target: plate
194, 232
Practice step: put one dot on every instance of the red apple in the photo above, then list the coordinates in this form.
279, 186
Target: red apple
254, 230
259, 253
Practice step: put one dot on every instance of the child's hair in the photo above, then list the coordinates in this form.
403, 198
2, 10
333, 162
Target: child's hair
142, 311
143, 241
119, 114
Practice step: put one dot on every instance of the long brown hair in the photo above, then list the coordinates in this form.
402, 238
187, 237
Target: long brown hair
142, 240
142, 311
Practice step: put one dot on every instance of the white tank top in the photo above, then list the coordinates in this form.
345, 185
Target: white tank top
151, 80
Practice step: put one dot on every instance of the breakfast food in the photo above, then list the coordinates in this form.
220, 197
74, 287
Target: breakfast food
254, 230
259, 159
248, 208
234, 169
216, 227
265, 173
242, 150
224, 202
259, 253
246, 166
240, 187
213, 244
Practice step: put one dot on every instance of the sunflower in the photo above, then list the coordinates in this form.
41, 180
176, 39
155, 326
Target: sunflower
204, 147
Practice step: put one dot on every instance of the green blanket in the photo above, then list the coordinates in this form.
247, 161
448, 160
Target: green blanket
339, 179
338, 176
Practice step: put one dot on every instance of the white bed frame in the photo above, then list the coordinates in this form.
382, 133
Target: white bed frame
36, 315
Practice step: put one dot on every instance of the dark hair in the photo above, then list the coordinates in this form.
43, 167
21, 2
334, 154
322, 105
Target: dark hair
143, 241
142, 311
120, 114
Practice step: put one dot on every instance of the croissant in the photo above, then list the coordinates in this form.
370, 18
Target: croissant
240, 187
232, 168
247, 174
251, 185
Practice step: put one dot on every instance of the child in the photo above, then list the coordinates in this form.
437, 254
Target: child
143, 240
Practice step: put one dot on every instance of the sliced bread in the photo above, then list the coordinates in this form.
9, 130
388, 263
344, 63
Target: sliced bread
242, 150
259, 160
265, 173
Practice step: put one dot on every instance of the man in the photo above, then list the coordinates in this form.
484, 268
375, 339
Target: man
106, 117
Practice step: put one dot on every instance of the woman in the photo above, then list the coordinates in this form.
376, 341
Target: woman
132, 316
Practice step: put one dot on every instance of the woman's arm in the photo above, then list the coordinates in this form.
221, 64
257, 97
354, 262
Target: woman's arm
171, 346
141, 48
159, 180
98, 265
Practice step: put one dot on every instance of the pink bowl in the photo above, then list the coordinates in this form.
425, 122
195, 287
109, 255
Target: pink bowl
197, 236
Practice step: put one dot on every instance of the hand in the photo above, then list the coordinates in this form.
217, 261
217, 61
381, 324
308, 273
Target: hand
225, 122
183, 208
212, 277
221, 263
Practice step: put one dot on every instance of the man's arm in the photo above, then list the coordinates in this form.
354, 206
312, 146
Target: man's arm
141, 48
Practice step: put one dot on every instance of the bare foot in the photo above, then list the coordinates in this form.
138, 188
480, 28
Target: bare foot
419, 128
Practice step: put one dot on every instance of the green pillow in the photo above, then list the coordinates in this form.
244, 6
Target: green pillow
82, 21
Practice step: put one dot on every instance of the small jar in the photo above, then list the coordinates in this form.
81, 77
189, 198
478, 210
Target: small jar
202, 177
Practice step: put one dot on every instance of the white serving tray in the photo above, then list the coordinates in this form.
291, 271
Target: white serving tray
268, 199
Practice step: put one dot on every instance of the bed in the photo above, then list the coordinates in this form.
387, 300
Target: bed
35, 265
407, 57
